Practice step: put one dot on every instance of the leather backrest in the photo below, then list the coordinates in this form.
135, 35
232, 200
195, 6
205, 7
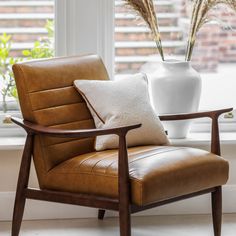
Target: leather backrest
47, 97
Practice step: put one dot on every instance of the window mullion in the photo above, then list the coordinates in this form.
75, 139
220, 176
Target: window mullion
85, 27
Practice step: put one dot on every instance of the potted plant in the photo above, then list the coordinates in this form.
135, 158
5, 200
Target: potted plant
43, 48
176, 87
8, 88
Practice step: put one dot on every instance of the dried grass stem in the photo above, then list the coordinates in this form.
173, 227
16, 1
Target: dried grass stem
146, 10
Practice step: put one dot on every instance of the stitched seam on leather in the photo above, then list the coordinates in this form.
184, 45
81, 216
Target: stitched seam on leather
111, 164
154, 155
68, 158
139, 181
68, 141
83, 95
26, 86
92, 170
82, 162
45, 90
147, 152
130, 155
58, 107
83, 173
48, 108
112, 155
143, 157
136, 179
64, 123
55, 126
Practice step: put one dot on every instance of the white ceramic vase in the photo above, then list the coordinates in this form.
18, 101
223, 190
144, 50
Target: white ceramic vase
175, 87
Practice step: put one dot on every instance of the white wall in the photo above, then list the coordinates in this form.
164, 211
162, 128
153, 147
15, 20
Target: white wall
9, 167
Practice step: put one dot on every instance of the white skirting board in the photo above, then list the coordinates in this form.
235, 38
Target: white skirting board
47, 210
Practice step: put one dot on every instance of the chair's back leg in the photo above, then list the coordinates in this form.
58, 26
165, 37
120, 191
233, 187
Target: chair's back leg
101, 214
22, 184
217, 210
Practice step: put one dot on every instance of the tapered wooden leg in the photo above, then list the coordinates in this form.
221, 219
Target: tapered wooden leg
124, 189
18, 214
22, 184
101, 214
217, 211
125, 222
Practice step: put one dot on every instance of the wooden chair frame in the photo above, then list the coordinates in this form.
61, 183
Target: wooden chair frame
123, 203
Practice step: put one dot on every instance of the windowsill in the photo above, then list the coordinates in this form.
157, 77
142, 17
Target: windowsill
12, 143
193, 139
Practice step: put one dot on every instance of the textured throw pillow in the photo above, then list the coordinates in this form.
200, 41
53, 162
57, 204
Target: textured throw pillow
119, 103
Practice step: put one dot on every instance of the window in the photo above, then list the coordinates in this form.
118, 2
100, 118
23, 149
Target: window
26, 30
214, 57
133, 46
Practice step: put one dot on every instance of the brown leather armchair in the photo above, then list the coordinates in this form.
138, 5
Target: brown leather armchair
60, 138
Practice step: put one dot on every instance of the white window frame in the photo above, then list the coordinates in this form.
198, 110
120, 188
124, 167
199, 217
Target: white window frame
97, 37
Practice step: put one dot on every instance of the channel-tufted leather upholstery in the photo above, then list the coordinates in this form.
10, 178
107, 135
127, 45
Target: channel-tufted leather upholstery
47, 97
156, 173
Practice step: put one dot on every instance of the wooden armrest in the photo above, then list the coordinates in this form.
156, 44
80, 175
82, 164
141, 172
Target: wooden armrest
32, 128
214, 115
187, 116
123, 169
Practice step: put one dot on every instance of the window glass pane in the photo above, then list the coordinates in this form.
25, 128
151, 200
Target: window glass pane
133, 42
26, 32
214, 54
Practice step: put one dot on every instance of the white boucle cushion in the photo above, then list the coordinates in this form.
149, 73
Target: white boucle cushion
119, 103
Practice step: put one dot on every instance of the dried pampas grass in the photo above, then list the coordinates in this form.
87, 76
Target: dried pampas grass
231, 3
146, 10
199, 16
200, 10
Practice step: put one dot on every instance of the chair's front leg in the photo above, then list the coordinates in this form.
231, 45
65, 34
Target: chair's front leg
217, 210
22, 184
215, 135
101, 214
124, 189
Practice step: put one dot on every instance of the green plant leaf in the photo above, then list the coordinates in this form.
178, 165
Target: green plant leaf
26, 53
43, 48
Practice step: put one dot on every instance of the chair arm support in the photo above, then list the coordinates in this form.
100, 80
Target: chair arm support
34, 129
188, 116
213, 115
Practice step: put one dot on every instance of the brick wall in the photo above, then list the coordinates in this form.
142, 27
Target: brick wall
25, 21
213, 46
227, 42
215, 43
134, 43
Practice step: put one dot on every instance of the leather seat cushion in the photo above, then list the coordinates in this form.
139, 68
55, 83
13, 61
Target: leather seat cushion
156, 173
